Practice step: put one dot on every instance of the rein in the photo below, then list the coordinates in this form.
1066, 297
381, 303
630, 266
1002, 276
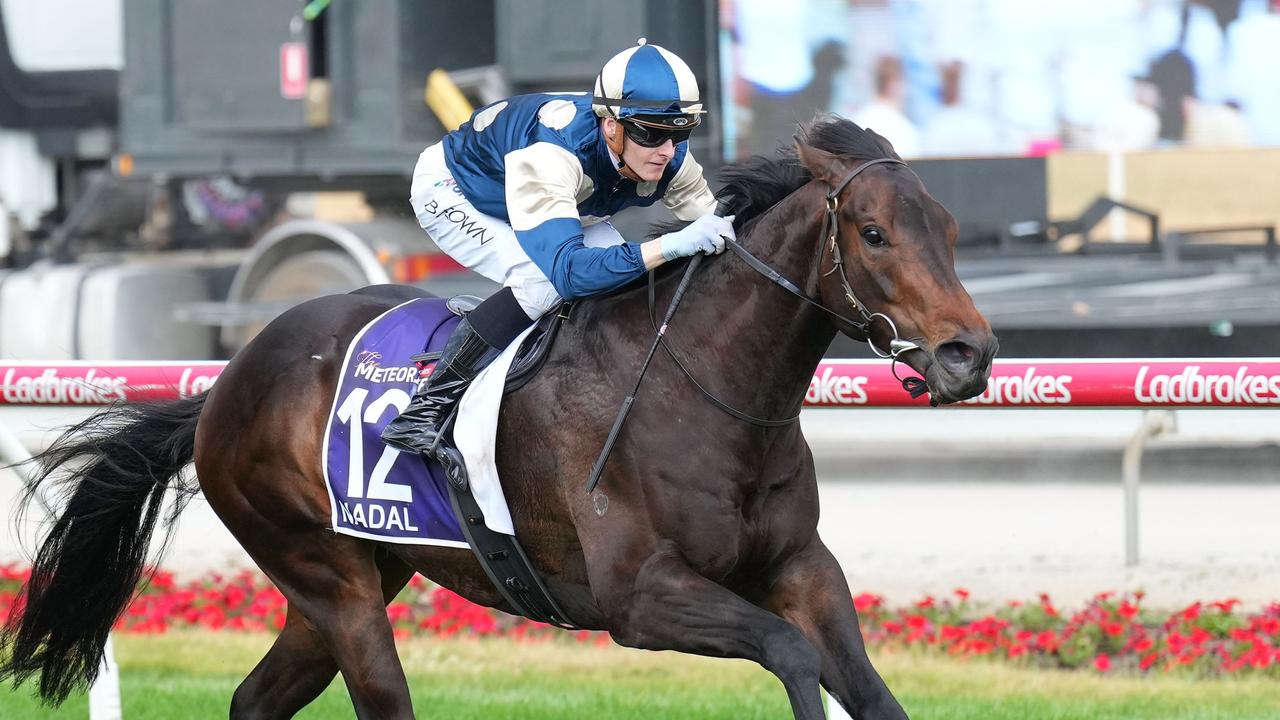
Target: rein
598, 468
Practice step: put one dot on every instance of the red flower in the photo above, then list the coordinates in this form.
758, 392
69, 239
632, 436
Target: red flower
981, 647
1102, 663
865, 601
1226, 605
1047, 641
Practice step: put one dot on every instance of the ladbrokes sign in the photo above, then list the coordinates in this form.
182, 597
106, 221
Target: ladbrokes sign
1194, 386
1028, 388
1249, 382
100, 384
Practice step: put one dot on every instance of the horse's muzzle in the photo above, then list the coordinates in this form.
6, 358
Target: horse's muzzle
959, 368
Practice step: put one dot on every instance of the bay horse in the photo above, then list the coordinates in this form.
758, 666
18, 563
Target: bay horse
708, 543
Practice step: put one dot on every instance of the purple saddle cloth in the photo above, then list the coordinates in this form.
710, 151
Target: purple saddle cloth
376, 492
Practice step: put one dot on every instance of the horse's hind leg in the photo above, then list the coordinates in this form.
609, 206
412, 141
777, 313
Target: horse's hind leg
298, 667
811, 593
337, 587
294, 671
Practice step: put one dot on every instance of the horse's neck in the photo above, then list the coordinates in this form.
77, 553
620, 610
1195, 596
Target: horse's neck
760, 344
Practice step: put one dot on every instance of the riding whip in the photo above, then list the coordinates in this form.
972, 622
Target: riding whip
598, 468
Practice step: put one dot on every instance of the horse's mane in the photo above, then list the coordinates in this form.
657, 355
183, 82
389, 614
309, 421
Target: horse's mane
757, 183
752, 186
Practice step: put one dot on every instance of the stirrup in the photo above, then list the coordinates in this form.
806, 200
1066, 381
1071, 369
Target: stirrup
444, 427
455, 469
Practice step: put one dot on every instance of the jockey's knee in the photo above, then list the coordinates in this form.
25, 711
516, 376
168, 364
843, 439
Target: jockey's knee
500, 318
536, 298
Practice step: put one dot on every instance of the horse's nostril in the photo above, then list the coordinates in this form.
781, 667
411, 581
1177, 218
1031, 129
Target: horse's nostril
957, 356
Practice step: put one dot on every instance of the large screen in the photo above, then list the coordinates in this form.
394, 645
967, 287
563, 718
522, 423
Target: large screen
948, 78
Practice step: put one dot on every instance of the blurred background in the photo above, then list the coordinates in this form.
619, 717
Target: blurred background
175, 173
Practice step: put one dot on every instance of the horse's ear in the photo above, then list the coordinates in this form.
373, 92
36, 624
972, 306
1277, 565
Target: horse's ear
822, 164
884, 144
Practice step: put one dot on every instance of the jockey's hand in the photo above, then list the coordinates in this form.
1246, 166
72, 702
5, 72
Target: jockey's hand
705, 235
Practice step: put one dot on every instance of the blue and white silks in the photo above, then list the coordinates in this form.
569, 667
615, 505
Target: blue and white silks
540, 163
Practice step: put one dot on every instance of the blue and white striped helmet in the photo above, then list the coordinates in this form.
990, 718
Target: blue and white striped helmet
648, 81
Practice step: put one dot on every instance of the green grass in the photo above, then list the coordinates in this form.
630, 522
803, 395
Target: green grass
192, 675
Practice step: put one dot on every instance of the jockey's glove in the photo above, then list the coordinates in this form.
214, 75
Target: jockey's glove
705, 235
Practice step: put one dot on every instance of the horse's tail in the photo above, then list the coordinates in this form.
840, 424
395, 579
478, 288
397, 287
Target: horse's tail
114, 468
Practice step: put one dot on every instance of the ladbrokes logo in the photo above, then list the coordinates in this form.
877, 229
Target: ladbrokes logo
50, 388
1193, 387
367, 367
191, 384
831, 389
1025, 389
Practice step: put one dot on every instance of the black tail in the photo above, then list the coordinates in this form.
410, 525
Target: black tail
114, 469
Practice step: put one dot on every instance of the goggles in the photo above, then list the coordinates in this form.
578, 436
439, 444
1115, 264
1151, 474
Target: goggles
652, 134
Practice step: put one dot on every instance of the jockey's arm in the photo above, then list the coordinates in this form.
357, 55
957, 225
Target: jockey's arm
542, 185
688, 195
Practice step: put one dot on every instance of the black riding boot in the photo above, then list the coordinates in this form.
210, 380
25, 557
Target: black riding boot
477, 341
465, 355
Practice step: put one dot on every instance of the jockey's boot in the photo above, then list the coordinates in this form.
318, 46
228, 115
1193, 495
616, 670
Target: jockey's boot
464, 356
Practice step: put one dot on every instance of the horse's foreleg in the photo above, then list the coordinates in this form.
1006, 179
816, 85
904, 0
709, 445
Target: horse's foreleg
671, 607
298, 667
811, 593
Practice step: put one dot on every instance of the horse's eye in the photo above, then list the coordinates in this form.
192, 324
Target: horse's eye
873, 235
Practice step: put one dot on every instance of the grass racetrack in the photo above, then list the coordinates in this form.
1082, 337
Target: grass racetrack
191, 674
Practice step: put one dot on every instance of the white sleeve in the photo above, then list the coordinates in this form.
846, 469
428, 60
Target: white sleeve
542, 184
688, 195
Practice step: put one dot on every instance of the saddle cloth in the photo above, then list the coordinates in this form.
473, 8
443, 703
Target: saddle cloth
379, 493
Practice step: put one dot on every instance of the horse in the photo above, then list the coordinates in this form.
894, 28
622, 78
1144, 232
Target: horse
708, 542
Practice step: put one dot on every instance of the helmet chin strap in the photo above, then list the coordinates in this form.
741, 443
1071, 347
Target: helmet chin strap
617, 142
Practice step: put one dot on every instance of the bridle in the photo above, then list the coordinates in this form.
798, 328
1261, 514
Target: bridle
830, 236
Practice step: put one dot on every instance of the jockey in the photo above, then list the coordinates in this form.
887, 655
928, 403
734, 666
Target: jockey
522, 194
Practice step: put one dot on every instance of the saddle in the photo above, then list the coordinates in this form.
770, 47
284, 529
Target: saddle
501, 555
533, 352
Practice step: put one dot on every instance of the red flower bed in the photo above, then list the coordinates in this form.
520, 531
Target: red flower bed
1110, 633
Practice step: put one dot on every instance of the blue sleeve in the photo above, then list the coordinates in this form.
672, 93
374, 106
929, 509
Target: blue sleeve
576, 270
